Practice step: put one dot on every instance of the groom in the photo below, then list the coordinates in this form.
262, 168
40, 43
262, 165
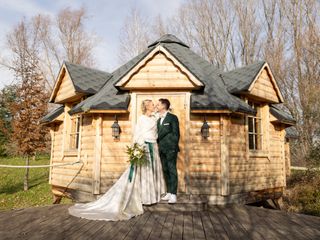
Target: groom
168, 139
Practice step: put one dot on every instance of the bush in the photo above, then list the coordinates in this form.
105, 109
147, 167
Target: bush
313, 158
303, 192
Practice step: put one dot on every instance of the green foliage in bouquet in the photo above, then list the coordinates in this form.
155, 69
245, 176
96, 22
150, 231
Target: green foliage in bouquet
137, 155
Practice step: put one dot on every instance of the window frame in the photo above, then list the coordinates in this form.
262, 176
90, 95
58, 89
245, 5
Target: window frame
257, 131
74, 133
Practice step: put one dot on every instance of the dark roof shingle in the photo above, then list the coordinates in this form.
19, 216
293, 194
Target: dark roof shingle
281, 115
50, 116
240, 79
216, 94
86, 80
109, 97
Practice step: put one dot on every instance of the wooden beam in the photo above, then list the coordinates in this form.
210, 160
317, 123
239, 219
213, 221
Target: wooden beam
107, 111
224, 153
57, 83
98, 154
52, 133
186, 143
210, 111
283, 153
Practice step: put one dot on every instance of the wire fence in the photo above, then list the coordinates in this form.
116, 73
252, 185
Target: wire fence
40, 166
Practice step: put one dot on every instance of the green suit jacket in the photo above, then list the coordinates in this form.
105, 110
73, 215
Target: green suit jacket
168, 133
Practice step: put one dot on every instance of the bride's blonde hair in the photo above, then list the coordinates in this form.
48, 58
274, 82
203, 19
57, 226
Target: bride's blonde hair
144, 105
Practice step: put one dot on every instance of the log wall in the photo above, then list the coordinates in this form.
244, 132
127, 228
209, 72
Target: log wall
114, 159
204, 156
78, 176
256, 170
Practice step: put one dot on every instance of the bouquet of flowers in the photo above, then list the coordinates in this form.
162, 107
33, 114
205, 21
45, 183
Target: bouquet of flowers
137, 154
137, 157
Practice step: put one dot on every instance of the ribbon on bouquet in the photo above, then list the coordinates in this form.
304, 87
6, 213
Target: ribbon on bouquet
151, 156
131, 172
151, 152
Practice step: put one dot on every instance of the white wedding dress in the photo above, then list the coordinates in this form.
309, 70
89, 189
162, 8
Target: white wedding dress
124, 199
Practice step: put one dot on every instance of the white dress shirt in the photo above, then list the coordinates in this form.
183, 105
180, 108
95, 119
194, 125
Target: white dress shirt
163, 117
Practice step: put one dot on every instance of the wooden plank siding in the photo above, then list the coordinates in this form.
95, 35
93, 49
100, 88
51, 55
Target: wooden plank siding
257, 170
77, 176
204, 156
159, 72
264, 89
114, 159
65, 90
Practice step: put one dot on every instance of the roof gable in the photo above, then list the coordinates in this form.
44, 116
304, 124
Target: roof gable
246, 80
159, 69
74, 81
64, 89
265, 86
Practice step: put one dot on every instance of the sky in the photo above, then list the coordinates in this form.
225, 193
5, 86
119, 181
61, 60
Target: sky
106, 19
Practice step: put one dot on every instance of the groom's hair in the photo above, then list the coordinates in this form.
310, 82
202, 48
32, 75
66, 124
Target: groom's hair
165, 102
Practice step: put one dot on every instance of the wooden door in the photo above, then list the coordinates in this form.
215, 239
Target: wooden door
178, 105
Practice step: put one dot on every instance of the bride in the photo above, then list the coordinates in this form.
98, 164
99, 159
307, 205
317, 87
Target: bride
125, 198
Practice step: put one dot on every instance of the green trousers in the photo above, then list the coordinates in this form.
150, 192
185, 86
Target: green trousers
169, 166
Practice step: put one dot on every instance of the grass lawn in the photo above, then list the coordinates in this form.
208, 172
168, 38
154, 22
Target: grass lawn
12, 195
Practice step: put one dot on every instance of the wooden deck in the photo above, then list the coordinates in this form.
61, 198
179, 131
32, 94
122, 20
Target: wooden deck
230, 222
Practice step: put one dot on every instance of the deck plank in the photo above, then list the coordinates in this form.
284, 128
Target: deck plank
241, 231
198, 230
177, 231
282, 224
222, 222
270, 224
141, 221
209, 230
251, 223
187, 226
160, 218
146, 231
168, 226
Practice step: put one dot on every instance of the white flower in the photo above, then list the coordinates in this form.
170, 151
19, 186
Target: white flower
136, 152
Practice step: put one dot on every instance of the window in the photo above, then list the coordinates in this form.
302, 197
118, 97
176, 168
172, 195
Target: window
254, 128
74, 132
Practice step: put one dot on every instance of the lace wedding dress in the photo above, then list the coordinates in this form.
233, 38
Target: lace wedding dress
124, 199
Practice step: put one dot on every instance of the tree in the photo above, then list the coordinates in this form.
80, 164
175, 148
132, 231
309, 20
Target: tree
31, 97
7, 98
233, 33
134, 35
63, 38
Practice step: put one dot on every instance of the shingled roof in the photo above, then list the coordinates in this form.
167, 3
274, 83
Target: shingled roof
281, 115
240, 79
109, 97
214, 96
49, 117
85, 80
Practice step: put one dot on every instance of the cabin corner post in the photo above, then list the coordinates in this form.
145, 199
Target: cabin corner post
283, 153
224, 153
187, 141
97, 155
52, 134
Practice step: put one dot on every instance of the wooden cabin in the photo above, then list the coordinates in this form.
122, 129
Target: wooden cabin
244, 157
